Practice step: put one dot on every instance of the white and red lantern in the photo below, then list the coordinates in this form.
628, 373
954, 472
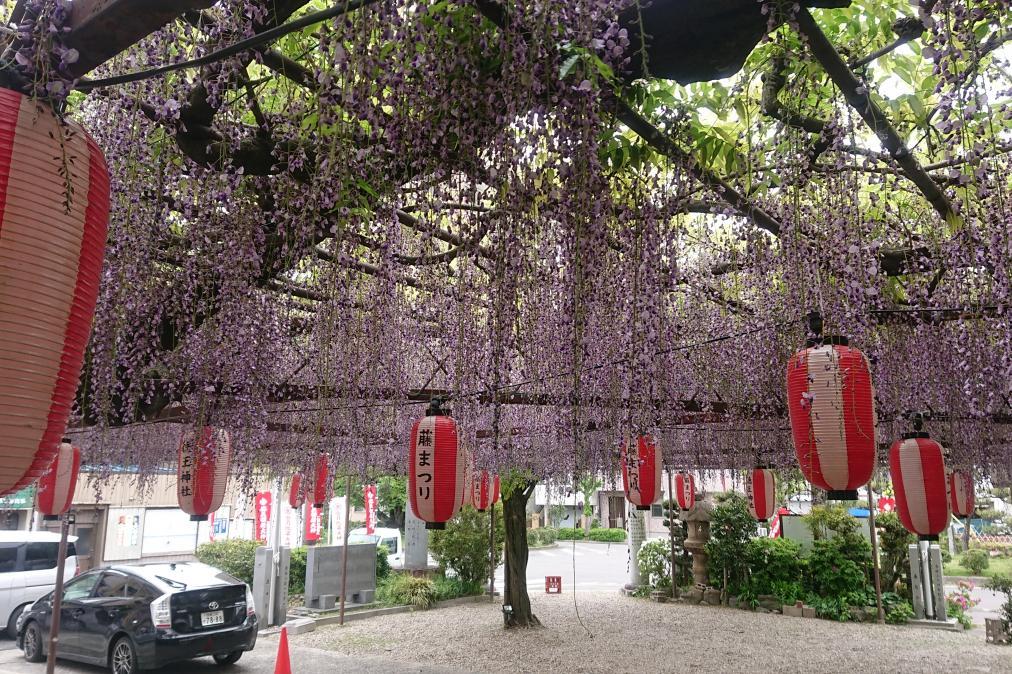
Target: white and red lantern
832, 407
202, 471
438, 467
321, 481
57, 485
641, 472
484, 490
919, 477
685, 490
761, 489
297, 491
54, 211
961, 496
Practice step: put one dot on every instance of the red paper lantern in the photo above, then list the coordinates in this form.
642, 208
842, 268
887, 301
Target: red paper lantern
321, 481
297, 492
56, 488
761, 489
52, 242
919, 478
685, 490
485, 490
961, 494
832, 407
202, 471
438, 467
641, 473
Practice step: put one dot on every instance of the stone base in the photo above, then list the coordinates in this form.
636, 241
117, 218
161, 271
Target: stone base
951, 624
711, 596
692, 595
300, 626
769, 603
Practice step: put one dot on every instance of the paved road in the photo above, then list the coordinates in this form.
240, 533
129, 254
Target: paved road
599, 566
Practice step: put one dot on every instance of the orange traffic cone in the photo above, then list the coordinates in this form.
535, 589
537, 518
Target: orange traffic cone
283, 665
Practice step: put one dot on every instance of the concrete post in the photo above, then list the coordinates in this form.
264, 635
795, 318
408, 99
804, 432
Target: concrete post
281, 573
416, 541
637, 534
937, 582
263, 570
916, 583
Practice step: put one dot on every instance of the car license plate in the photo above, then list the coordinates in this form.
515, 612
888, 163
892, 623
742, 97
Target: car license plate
212, 618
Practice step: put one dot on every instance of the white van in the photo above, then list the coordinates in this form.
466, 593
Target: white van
28, 570
391, 538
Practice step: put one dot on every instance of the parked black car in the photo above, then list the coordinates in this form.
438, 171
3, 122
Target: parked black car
134, 617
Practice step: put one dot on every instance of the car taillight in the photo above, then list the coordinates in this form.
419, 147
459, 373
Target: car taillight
251, 610
161, 613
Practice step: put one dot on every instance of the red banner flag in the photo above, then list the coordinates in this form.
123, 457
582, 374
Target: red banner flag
369, 496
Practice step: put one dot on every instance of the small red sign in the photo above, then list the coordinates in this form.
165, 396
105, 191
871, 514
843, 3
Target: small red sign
369, 496
553, 584
886, 504
262, 514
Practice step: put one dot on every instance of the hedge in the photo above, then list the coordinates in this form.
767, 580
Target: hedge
567, 534
542, 537
608, 535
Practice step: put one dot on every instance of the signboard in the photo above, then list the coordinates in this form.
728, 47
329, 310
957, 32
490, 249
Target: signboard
369, 497
886, 504
22, 499
337, 509
314, 523
262, 516
123, 534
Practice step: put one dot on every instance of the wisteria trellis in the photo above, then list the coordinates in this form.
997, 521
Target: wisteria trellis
437, 199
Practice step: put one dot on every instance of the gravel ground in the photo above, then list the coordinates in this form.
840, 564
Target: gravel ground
639, 635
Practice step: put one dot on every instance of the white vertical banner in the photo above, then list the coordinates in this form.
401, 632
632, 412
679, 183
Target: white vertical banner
338, 506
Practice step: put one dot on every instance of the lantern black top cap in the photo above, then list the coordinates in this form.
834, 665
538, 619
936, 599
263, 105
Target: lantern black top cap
815, 323
435, 408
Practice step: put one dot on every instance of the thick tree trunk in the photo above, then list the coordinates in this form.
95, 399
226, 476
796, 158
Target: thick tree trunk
515, 593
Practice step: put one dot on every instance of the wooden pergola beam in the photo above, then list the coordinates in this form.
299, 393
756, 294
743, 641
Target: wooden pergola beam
101, 29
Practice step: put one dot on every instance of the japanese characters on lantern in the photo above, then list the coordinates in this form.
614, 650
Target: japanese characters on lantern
438, 467
641, 472
321, 481
760, 488
56, 487
484, 490
202, 471
685, 490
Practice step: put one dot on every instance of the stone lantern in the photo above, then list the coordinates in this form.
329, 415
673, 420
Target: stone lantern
698, 519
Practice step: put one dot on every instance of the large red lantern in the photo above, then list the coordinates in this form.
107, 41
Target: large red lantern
832, 407
321, 481
761, 489
484, 491
685, 490
297, 491
438, 466
919, 478
202, 472
54, 210
56, 488
961, 496
641, 473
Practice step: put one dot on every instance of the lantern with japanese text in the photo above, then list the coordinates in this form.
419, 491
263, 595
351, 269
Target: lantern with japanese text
685, 490
761, 487
919, 478
202, 472
832, 408
484, 490
297, 491
56, 487
438, 466
641, 472
54, 211
961, 494
321, 481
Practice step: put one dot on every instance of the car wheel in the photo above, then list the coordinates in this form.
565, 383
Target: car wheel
226, 659
123, 658
33, 643
12, 623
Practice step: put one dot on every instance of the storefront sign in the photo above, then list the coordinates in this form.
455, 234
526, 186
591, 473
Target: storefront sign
23, 499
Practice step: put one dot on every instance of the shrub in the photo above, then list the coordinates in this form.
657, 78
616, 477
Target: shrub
568, 534
297, 571
975, 561
541, 537
654, 561
607, 535
382, 562
595, 523
463, 544
1003, 584
450, 588
731, 528
402, 589
772, 561
893, 541
787, 592
235, 557
831, 608
831, 570
899, 613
